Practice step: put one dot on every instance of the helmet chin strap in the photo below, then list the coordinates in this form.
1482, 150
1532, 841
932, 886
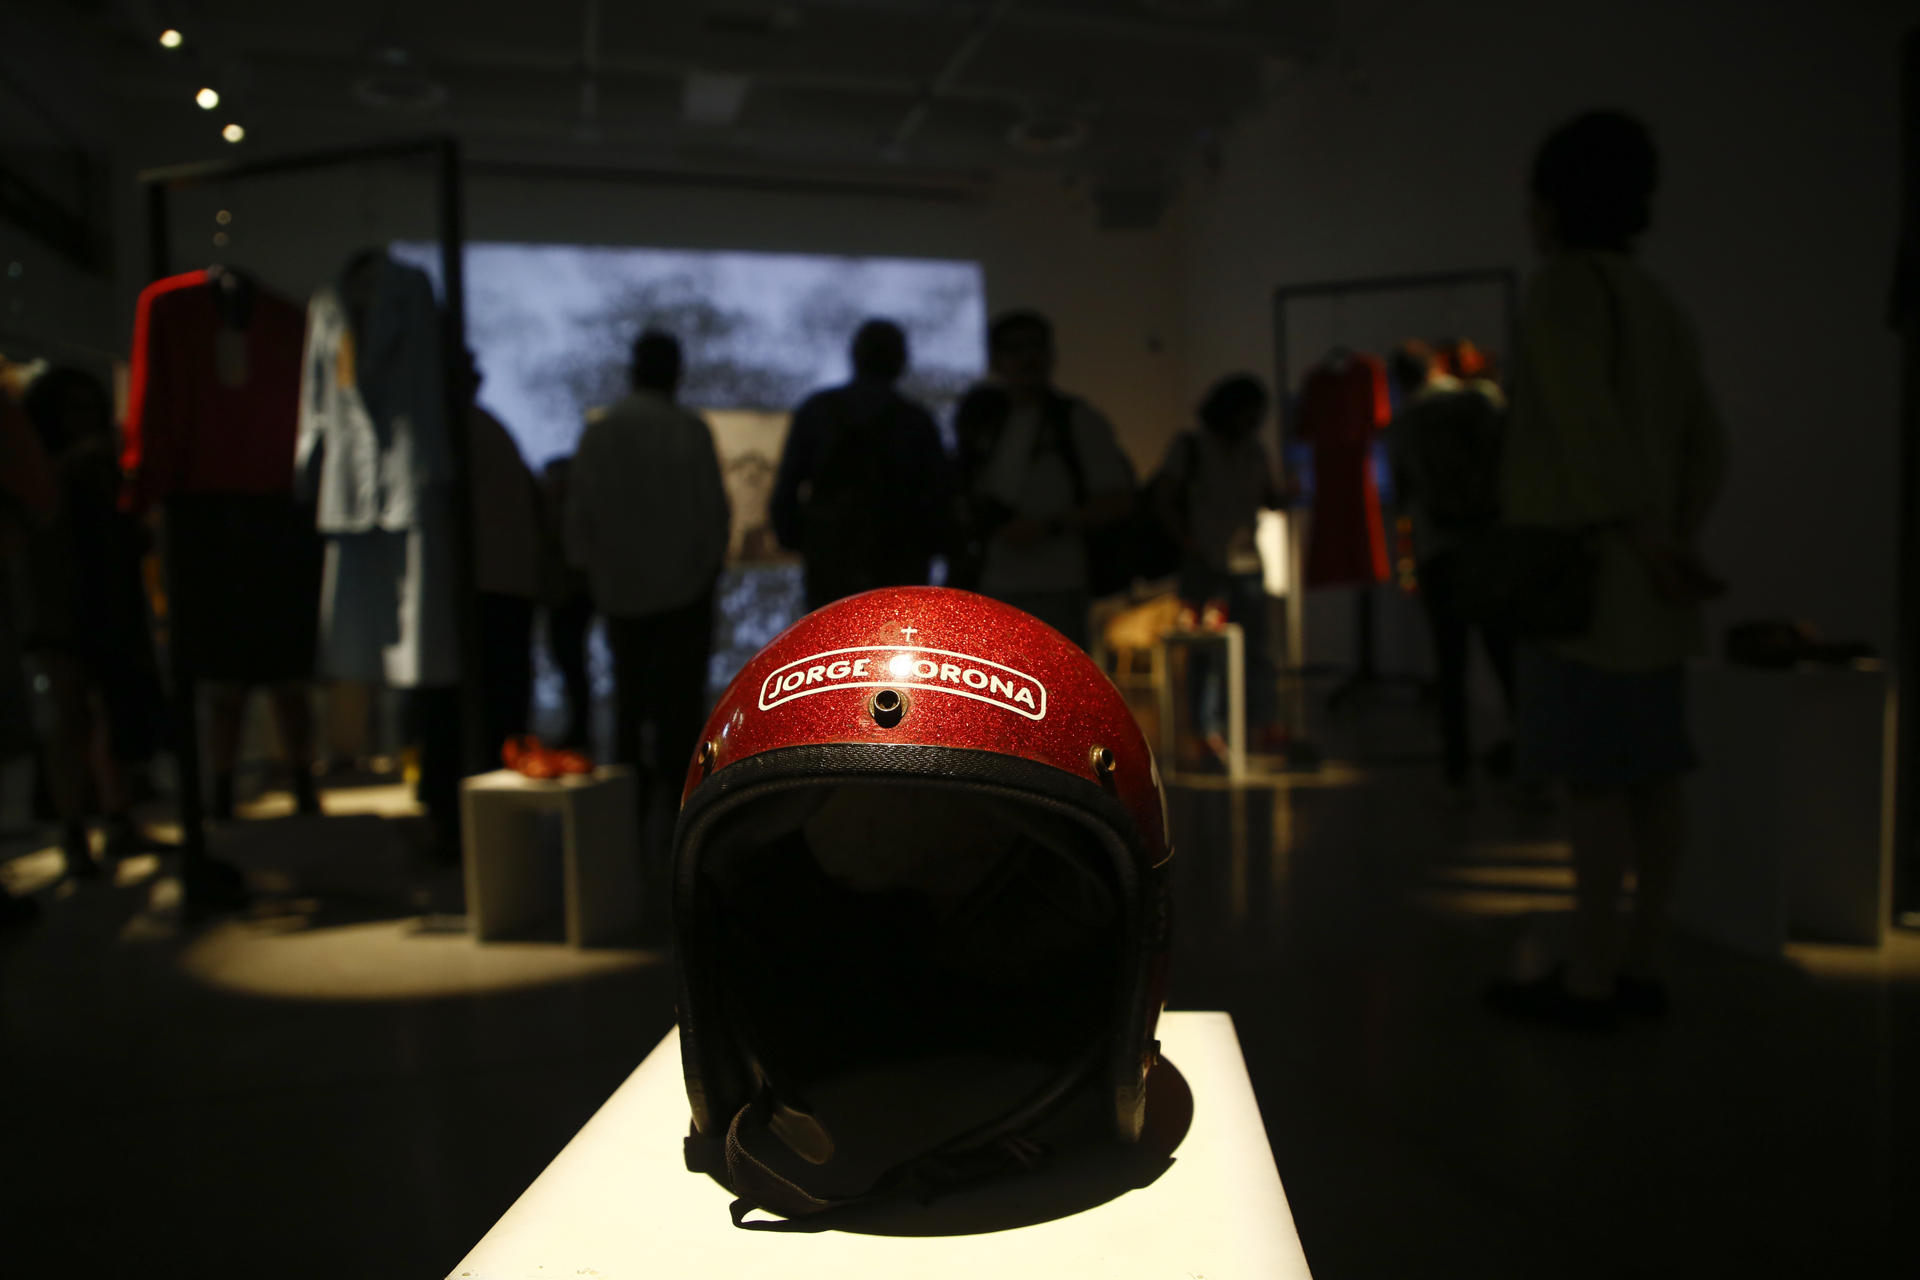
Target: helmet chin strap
1007, 1144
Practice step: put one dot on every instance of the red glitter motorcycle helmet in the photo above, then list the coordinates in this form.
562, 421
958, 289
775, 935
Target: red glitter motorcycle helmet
920, 905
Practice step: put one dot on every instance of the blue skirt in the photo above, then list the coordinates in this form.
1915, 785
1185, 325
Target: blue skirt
1594, 727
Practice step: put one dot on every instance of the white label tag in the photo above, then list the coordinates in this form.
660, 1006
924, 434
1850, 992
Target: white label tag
907, 667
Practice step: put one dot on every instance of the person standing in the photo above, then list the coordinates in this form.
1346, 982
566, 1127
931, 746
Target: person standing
1214, 483
29, 498
1444, 444
506, 567
86, 623
1050, 472
862, 490
569, 611
1612, 432
647, 518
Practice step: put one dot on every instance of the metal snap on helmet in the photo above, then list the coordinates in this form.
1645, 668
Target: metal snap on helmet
920, 905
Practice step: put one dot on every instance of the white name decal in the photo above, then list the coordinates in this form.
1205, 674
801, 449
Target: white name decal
906, 667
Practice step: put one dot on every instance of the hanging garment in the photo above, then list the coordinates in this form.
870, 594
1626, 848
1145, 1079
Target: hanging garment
1342, 406
372, 453
215, 389
387, 604
373, 432
210, 434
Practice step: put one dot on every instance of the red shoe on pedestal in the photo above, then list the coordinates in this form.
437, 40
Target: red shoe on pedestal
567, 763
525, 756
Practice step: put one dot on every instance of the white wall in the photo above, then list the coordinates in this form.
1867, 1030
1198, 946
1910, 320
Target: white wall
1775, 227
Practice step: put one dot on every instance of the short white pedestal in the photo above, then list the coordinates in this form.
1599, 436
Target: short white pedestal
508, 880
1792, 807
1232, 645
619, 1202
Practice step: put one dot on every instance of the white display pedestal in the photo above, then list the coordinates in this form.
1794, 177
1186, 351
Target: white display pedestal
1791, 809
508, 881
1233, 649
619, 1202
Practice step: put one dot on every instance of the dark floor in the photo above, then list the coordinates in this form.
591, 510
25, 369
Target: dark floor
332, 1087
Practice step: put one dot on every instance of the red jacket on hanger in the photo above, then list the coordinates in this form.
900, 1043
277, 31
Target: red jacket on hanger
215, 390
1342, 405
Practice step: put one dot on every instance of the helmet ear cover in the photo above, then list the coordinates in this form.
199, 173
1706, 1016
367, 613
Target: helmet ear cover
838, 904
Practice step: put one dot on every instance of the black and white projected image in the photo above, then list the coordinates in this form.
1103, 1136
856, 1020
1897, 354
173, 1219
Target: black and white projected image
551, 327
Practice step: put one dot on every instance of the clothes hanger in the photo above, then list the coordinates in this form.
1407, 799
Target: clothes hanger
234, 292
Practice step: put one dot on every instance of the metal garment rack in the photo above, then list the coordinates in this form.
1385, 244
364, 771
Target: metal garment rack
1365, 672
199, 874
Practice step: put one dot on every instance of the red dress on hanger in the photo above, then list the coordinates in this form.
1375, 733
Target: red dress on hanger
211, 408
211, 418
1342, 405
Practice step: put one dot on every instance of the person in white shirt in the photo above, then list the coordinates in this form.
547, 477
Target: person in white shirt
1051, 473
647, 519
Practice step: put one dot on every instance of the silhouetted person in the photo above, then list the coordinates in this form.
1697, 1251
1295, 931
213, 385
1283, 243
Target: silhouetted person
1217, 478
569, 610
647, 518
85, 619
862, 491
29, 496
1445, 447
1044, 470
507, 533
1612, 432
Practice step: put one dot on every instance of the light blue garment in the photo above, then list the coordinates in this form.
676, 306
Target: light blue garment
373, 430
373, 457
387, 612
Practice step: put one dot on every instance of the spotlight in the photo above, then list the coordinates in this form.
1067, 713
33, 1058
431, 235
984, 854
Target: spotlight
223, 217
233, 133
171, 39
207, 98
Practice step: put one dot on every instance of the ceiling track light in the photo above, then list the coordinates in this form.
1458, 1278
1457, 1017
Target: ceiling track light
171, 39
233, 133
207, 98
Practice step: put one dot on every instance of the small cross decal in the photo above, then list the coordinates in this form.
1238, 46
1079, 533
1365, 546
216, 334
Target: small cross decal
908, 632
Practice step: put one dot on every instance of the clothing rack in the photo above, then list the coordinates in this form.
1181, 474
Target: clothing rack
200, 876
1365, 671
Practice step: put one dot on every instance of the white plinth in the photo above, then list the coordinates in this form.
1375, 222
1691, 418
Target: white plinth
1233, 648
1792, 808
618, 1202
508, 880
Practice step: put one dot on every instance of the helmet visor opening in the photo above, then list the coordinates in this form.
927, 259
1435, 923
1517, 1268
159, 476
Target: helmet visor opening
905, 964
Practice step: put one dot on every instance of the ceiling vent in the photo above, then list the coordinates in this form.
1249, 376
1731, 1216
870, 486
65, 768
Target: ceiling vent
710, 98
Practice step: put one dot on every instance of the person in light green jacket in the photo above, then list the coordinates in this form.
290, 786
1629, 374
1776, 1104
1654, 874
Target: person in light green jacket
1612, 431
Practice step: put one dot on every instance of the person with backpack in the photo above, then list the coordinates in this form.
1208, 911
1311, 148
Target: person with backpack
1209, 493
863, 491
1046, 478
1444, 444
